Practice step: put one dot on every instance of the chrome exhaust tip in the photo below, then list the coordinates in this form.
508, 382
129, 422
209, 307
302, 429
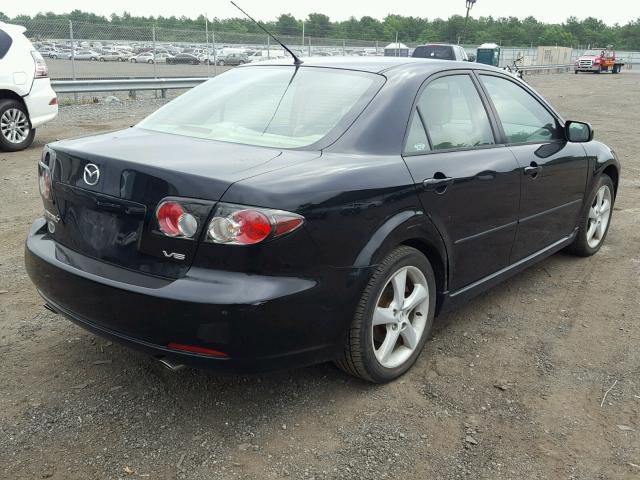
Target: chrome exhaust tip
174, 367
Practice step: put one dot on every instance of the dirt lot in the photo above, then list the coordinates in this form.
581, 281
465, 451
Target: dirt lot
510, 387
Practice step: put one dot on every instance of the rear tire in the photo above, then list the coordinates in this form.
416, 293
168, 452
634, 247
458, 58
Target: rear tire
596, 215
389, 329
16, 132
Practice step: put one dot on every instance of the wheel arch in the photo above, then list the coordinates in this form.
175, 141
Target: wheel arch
414, 229
435, 259
11, 95
612, 172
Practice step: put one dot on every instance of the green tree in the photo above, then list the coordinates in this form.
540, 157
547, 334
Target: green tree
318, 25
556, 35
288, 25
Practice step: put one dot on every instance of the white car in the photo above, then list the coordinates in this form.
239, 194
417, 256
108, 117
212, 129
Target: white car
26, 97
148, 57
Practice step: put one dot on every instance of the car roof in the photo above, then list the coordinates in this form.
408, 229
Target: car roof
378, 64
437, 45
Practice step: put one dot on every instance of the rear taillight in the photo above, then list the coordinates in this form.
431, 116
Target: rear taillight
45, 166
175, 221
41, 67
44, 181
240, 225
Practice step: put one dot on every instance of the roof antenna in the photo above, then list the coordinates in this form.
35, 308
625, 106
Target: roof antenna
296, 60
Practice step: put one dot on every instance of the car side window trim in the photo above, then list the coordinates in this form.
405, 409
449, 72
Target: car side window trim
479, 73
498, 135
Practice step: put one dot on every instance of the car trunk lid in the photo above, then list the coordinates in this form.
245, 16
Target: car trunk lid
107, 188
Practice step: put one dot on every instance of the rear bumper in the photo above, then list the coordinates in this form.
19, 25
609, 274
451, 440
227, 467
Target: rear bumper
261, 323
38, 102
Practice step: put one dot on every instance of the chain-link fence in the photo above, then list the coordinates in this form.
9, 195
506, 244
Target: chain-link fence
78, 50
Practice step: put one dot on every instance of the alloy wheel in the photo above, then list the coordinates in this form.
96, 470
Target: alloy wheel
400, 317
599, 216
14, 125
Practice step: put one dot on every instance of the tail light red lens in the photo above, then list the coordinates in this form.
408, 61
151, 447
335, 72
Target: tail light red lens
240, 225
174, 221
41, 67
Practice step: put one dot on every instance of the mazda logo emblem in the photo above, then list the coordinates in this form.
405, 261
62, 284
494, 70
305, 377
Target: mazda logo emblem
91, 174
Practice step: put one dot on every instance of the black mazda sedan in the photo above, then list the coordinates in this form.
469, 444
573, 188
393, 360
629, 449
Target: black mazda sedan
282, 215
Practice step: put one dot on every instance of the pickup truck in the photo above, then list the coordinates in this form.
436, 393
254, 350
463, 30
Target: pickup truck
597, 61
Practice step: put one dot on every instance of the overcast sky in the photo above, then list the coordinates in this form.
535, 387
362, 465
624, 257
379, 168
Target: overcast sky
611, 11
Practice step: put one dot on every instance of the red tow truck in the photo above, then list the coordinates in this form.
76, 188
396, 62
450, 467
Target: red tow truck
599, 60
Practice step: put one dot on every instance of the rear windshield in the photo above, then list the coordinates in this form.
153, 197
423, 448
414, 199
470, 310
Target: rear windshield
443, 52
5, 43
272, 106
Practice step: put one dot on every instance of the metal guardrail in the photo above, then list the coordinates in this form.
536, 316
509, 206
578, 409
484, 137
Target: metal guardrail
533, 69
133, 84
128, 84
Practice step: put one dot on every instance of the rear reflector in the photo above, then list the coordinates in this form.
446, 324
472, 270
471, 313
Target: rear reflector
194, 349
54, 101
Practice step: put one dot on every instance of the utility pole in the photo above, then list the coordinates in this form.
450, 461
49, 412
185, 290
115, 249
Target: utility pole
303, 33
470, 4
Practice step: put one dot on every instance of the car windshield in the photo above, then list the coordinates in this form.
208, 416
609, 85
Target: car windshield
593, 53
272, 106
443, 52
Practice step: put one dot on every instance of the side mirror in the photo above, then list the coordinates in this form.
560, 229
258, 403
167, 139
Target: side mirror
578, 132
472, 57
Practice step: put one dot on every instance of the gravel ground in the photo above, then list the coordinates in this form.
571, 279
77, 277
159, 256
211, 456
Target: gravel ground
511, 386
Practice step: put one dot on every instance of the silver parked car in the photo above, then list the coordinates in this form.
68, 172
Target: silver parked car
114, 56
149, 57
86, 55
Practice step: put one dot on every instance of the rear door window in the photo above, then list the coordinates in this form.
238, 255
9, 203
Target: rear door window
5, 43
454, 114
417, 141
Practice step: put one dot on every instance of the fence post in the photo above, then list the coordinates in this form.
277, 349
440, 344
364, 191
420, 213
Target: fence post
268, 47
155, 63
73, 57
344, 52
309, 46
206, 38
215, 52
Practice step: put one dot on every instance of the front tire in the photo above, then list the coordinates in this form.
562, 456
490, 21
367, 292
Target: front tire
595, 219
16, 132
393, 319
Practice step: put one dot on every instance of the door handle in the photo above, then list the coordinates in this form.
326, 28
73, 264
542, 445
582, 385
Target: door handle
438, 184
533, 170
